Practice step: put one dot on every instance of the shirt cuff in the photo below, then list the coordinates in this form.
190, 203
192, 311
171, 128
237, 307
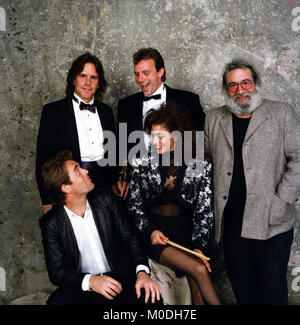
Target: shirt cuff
142, 267
85, 285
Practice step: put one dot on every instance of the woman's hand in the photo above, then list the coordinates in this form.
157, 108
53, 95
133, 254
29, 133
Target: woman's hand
205, 262
158, 238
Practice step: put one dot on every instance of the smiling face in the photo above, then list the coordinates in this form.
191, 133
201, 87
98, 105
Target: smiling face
146, 76
243, 95
235, 81
81, 184
162, 139
87, 82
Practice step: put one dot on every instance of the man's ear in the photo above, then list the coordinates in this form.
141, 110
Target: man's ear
161, 72
65, 188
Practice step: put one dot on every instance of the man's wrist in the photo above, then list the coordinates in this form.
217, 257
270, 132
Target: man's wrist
143, 268
85, 285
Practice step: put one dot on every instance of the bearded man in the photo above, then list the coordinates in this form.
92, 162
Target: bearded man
254, 145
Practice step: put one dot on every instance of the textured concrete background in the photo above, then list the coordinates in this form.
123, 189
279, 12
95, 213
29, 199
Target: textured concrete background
40, 39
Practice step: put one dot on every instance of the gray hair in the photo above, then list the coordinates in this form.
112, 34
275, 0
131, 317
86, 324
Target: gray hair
240, 64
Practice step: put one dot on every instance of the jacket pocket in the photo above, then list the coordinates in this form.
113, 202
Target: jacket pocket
279, 211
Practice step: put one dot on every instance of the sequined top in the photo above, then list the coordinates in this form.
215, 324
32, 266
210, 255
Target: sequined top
190, 187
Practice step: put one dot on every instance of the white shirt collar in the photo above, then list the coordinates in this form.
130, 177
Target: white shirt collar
81, 100
72, 214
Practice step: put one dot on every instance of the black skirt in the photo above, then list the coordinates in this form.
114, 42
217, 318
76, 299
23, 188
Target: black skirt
177, 228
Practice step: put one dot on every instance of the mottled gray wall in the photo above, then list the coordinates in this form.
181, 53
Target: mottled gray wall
39, 40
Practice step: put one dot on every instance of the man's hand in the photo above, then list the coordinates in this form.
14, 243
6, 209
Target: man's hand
47, 208
105, 285
121, 188
151, 287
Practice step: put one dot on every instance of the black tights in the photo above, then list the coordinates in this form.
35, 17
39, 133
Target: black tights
197, 273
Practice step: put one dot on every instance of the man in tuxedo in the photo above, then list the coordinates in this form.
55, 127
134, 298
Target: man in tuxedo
150, 76
78, 123
92, 251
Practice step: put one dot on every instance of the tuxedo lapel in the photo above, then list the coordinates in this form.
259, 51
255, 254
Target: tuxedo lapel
173, 94
169, 93
103, 119
69, 123
138, 111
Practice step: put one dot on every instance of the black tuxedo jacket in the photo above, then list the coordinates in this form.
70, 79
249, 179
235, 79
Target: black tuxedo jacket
130, 109
58, 132
121, 242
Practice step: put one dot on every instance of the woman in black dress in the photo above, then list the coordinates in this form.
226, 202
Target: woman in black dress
171, 198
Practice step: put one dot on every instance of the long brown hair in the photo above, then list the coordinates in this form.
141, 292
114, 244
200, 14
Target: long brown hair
77, 67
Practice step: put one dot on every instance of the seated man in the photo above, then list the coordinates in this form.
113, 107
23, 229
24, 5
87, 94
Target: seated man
91, 250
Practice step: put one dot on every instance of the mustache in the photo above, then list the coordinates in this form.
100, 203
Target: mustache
242, 95
248, 106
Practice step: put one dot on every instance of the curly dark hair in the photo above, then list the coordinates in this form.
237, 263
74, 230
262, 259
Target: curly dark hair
150, 53
240, 64
173, 117
77, 67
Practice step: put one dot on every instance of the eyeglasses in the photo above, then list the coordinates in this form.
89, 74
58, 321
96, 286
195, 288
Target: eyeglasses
245, 84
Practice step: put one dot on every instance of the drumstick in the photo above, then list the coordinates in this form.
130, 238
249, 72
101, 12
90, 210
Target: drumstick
187, 250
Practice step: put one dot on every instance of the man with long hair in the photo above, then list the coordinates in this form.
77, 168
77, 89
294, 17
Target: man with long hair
77, 123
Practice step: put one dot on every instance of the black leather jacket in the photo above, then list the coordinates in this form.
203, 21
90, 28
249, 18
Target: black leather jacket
121, 244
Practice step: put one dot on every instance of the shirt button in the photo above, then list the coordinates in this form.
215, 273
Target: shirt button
224, 197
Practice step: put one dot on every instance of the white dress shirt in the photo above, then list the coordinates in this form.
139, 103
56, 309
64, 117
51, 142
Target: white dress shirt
153, 104
90, 132
92, 256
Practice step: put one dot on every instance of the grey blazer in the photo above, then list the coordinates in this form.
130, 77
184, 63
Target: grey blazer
271, 156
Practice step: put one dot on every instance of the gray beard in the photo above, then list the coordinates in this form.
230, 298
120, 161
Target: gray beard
245, 108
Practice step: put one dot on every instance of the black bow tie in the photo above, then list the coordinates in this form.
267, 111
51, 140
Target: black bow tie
82, 105
90, 107
146, 98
